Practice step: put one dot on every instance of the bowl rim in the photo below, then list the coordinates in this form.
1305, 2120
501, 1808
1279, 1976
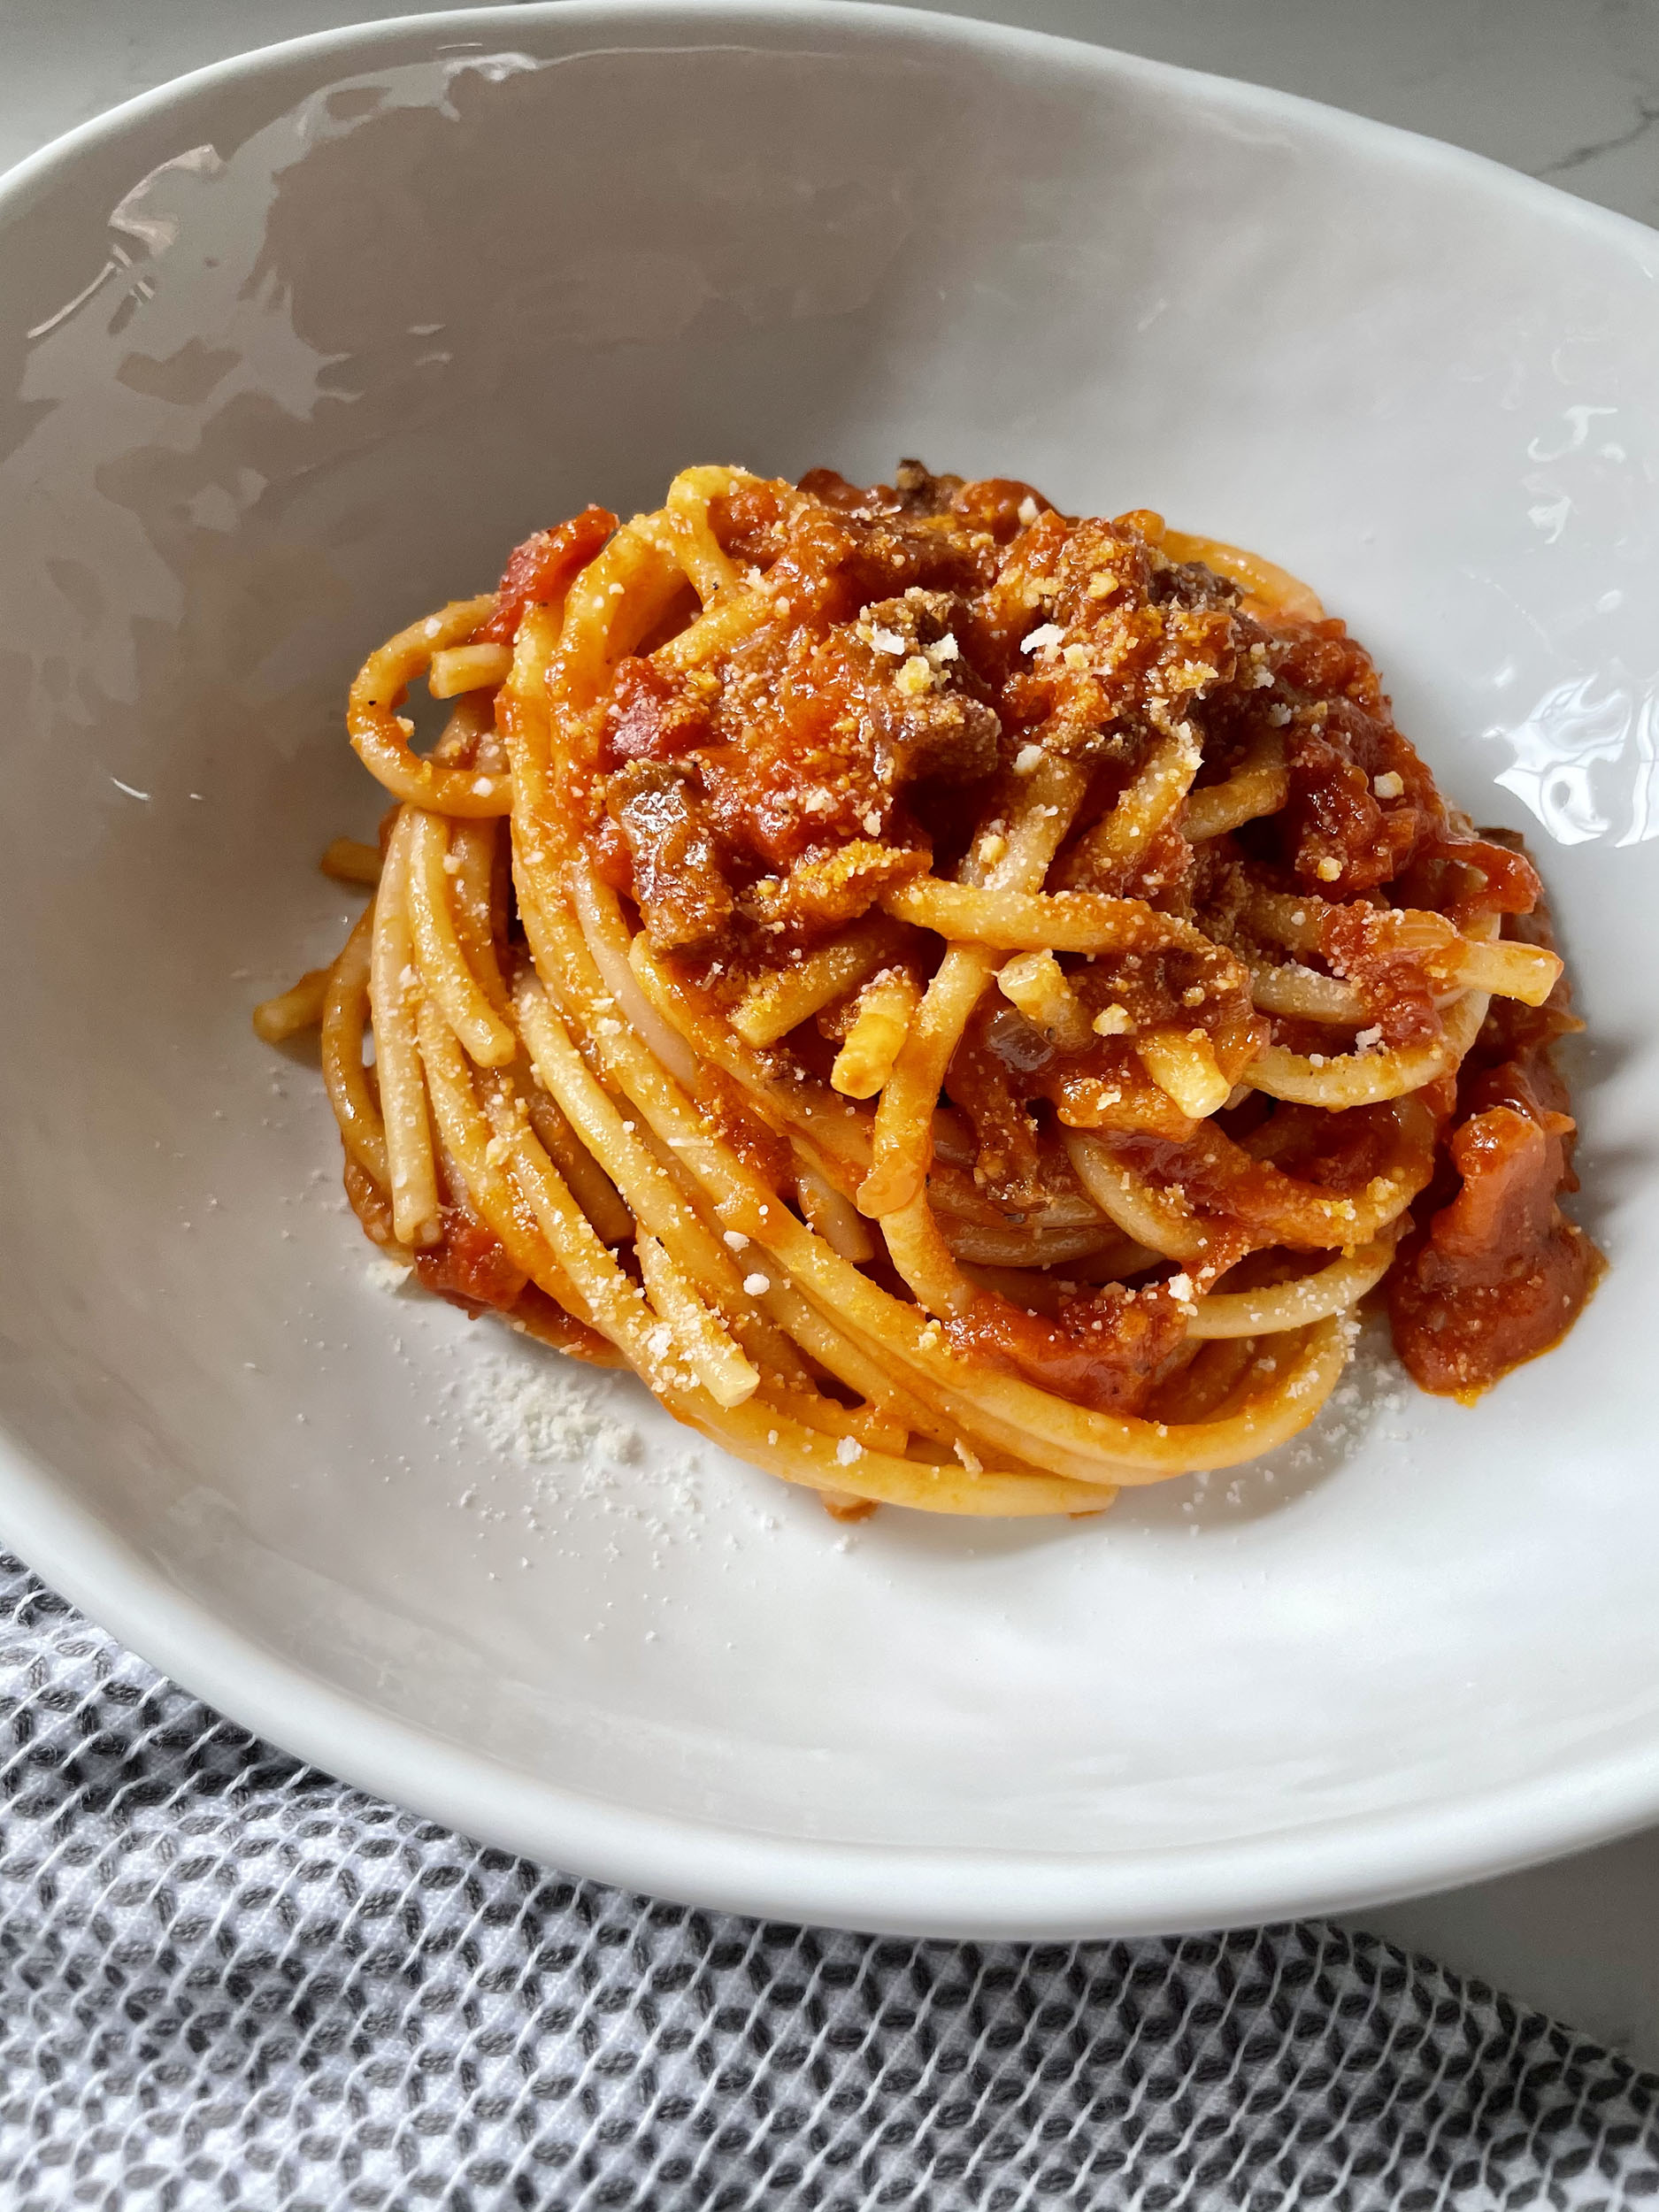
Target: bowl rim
922, 1890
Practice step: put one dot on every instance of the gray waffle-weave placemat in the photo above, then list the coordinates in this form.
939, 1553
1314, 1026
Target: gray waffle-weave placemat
227, 1980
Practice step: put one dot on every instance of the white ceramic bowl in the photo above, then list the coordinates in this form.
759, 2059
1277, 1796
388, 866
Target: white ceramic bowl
311, 338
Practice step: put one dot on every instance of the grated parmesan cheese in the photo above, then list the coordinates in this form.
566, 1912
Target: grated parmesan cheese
542, 1409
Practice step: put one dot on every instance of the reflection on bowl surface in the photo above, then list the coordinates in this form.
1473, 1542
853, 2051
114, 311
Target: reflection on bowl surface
297, 348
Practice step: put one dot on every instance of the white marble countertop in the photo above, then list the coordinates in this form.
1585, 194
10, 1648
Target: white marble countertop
1565, 89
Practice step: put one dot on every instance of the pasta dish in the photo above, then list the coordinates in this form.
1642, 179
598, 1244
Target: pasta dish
964, 1001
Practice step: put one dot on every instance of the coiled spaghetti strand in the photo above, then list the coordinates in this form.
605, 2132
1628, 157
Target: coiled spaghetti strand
395, 995
345, 1017
381, 736
444, 967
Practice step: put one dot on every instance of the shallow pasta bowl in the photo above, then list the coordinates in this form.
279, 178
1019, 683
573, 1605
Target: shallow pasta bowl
293, 350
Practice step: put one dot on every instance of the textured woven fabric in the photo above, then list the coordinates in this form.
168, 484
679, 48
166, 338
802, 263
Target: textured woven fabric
227, 1980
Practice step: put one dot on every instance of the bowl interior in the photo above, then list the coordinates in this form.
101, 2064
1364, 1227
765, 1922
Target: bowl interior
372, 309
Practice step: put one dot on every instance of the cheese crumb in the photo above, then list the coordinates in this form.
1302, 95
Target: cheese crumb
1368, 1038
1328, 870
1391, 786
735, 1238
848, 1450
873, 822
756, 1286
1076, 657
1112, 1021
1027, 510
1026, 758
1045, 635
1278, 716
1180, 1288
887, 641
968, 1457
993, 847
915, 677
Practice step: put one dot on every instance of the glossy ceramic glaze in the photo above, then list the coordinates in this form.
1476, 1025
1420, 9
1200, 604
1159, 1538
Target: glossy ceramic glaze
296, 349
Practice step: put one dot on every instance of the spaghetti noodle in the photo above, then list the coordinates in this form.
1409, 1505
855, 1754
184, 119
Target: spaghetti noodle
964, 1000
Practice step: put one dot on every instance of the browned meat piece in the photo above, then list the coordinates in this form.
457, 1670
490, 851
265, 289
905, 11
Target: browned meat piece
682, 892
